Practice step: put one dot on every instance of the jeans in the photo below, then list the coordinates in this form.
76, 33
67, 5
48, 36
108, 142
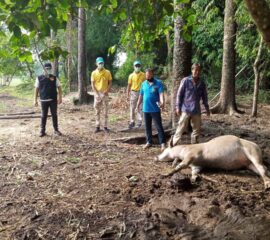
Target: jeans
156, 116
44, 114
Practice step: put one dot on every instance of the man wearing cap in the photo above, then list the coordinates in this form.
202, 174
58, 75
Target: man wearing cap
48, 86
152, 97
101, 82
135, 80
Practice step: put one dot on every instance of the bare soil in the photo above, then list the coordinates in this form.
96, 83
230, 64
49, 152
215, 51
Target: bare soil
88, 186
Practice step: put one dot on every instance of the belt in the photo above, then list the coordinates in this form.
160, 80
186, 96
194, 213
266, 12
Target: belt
134, 91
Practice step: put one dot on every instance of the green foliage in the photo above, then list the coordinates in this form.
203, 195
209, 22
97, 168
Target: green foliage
143, 22
26, 20
208, 38
102, 37
264, 96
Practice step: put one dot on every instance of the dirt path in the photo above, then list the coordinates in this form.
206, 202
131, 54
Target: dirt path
85, 186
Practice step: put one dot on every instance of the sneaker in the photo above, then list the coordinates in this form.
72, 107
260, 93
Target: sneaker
97, 130
58, 133
139, 124
163, 146
147, 145
106, 130
42, 134
131, 125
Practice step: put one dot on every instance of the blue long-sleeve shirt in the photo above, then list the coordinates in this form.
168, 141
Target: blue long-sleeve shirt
189, 95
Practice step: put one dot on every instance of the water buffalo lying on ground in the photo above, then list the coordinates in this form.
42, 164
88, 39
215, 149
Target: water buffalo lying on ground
225, 152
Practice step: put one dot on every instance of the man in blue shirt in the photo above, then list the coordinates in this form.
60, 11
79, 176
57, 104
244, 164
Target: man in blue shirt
151, 95
191, 90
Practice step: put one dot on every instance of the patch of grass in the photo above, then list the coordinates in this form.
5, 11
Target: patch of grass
264, 96
35, 162
73, 160
245, 98
116, 118
16, 81
17, 91
3, 107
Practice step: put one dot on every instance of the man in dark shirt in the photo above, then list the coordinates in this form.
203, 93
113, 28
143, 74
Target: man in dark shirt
48, 86
191, 90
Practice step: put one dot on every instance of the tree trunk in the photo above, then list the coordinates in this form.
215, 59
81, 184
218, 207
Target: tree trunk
260, 13
55, 64
82, 58
71, 66
227, 102
182, 54
257, 80
69, 48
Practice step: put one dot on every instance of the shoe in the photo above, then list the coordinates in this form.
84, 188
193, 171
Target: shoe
131, 125
97, 130
139, 124
58, 133
106, 130
147, 145
42, 134
163, 146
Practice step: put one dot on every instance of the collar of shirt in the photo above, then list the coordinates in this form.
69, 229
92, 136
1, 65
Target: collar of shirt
196, 83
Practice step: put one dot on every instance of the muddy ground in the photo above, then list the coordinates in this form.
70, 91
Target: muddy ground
89, 186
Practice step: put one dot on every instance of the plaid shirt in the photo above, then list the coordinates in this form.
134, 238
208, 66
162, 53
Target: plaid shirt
189, 96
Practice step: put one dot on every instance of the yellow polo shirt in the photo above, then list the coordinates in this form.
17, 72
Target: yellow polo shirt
135, 80
101, 79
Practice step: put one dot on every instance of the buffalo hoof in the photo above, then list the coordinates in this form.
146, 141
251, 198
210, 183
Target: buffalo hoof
267, 185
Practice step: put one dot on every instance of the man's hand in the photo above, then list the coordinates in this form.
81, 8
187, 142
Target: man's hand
161, 106
59, 100
35, 103
178, 112
208, 113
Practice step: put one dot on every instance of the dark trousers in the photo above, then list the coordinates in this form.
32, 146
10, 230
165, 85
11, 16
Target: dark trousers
156, 116
44, 114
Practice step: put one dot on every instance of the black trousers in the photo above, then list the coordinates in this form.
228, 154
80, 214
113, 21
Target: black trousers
156, 116
44, 114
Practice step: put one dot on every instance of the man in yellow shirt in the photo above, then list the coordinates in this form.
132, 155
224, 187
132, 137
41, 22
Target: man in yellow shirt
101, 82
134, 84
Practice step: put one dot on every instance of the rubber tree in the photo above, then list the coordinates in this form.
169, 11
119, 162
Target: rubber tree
260, 12
82, 58
256, 70
227, 103
182, 56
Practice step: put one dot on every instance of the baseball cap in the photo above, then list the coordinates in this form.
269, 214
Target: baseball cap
137, 62
48, 65
99, 60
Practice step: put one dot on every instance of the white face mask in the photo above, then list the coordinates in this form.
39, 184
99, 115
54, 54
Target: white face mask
100, 66
48, 71
137, 69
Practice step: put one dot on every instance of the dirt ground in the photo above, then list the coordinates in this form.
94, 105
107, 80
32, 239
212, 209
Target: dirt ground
89, 186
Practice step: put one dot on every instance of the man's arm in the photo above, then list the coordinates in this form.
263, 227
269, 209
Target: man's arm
161, 100
109, 87
205, 100
59, 94
128, 90
93, 84
36, 92
139, 102
179, 97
